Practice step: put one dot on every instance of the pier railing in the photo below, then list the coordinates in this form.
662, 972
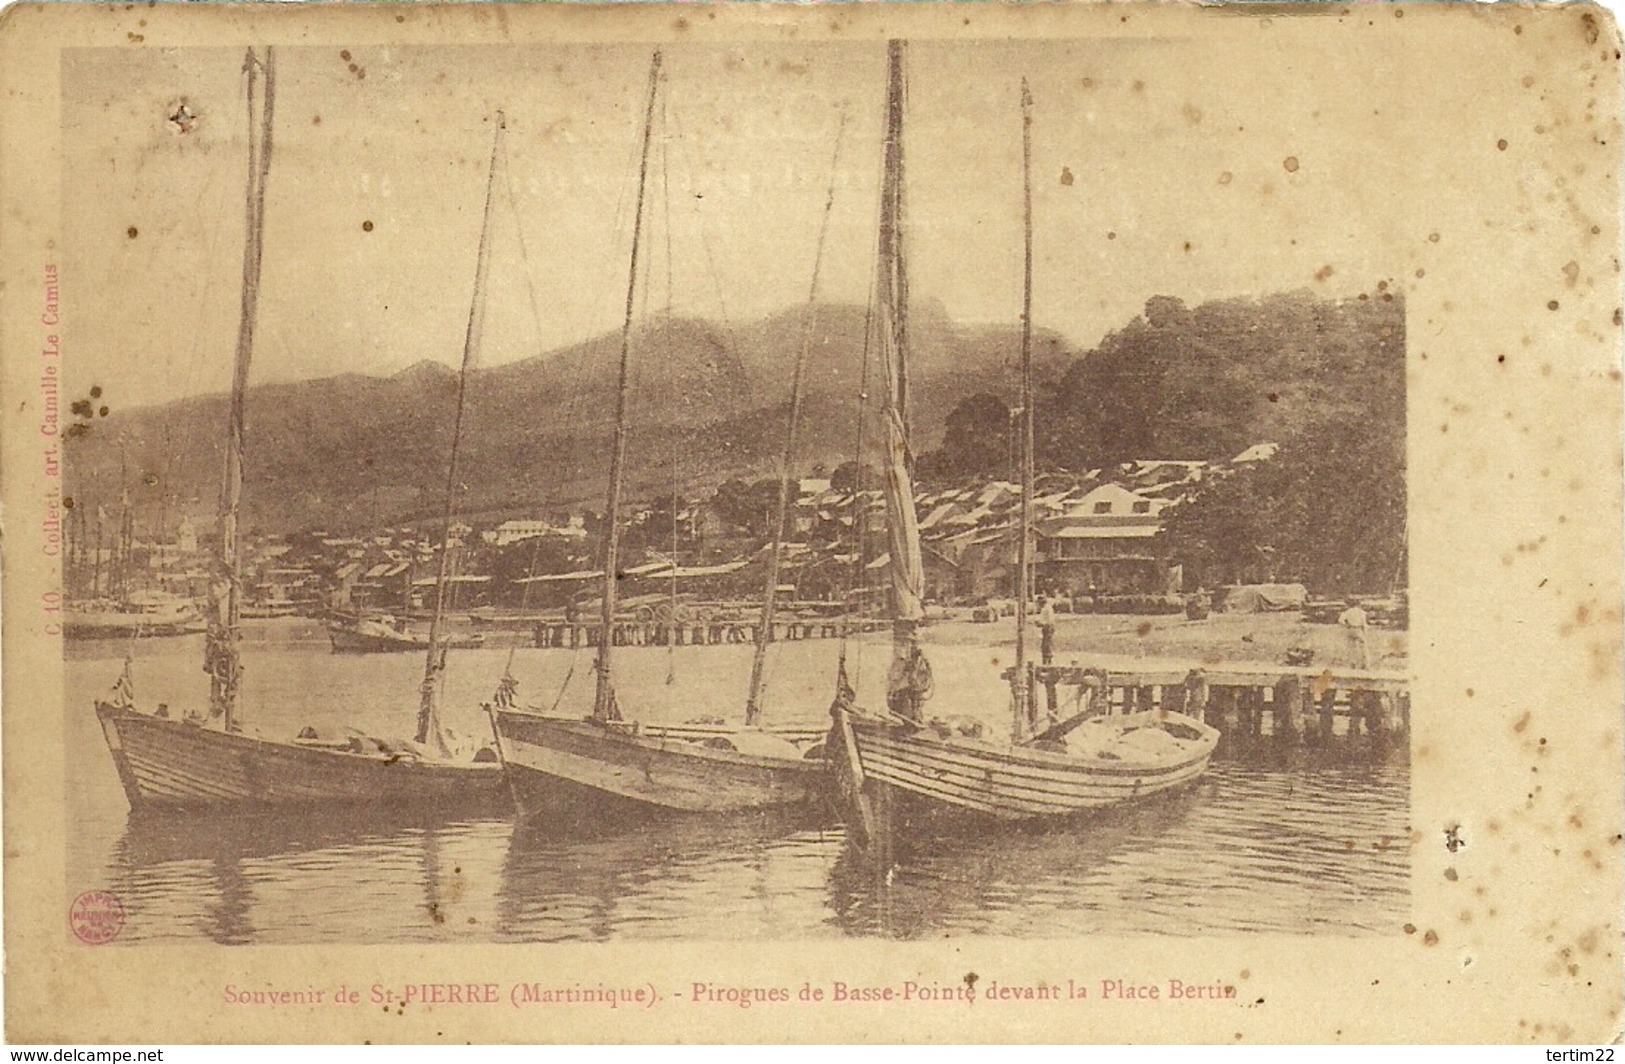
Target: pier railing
692, 633
1246, 699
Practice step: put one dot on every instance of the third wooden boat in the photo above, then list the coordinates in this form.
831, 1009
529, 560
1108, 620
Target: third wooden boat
895, 769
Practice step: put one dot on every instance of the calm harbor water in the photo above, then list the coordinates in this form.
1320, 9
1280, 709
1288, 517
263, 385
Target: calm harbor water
1315, 847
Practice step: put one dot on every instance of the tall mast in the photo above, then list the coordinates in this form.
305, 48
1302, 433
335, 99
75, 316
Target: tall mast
435, 661
222, 661
908, 683
121, 547
764, 633
603, 706
1024, 707
96, 560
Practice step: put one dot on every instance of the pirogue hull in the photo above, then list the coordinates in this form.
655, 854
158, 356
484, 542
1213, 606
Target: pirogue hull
350, 641
933, 777
560, 767
166, 763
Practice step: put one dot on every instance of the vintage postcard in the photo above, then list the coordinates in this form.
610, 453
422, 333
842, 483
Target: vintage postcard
821, 523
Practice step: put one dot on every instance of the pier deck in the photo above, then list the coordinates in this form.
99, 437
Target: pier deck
1241, 699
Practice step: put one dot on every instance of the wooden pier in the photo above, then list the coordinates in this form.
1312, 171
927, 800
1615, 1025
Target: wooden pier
560, 634
1243, 700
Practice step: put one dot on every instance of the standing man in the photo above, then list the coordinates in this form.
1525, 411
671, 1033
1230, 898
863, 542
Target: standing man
1046, 630
1353, 621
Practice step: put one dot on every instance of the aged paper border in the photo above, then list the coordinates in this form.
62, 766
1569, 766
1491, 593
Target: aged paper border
1514, 467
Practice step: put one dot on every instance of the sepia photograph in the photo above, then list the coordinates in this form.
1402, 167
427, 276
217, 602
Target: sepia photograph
765, 498
793, 482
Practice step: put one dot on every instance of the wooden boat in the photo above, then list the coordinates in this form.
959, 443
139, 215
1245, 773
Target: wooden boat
893, 768
110, 620
607, 764
372, 635
209, 761
1107, 761
180, 764
558, 766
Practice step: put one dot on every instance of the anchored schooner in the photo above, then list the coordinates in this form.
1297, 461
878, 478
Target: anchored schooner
210, 761
894, 769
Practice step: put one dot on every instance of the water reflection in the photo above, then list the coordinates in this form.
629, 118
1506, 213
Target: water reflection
677, 877
250, 878
1247, 849
159, 838
1302, 841
971, 880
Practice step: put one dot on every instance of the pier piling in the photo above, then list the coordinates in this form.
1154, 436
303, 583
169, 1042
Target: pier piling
1255, 702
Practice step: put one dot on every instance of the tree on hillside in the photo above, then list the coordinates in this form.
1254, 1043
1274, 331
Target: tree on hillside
1328, 510
748, 505
850, 476
975, 443
535, 556
1158, 388
1205, 382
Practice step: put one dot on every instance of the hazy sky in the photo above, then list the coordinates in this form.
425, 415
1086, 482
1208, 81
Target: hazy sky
1148, 181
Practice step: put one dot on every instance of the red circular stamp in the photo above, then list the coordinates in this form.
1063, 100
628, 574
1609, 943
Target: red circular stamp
96, 916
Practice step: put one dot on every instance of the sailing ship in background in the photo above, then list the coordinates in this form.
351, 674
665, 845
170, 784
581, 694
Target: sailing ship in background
209, 761
607, 765
895, 771
139, 614
107, 602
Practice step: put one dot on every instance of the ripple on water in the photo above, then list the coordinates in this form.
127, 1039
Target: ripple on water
1254, 847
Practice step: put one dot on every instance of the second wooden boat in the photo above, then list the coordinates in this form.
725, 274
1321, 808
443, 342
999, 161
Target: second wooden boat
605, 765
558, 766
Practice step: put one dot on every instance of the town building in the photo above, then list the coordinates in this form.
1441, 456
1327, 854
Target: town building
1107, 542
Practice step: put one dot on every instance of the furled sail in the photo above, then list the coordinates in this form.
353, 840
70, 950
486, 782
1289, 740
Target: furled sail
909, 679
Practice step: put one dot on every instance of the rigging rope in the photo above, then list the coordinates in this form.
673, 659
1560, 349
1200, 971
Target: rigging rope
574, 420
524, 252
860, 504
860, 488
569, 450
508, 686
672, 395
759, 666
705, 241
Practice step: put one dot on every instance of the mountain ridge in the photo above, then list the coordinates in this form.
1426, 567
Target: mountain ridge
707, 402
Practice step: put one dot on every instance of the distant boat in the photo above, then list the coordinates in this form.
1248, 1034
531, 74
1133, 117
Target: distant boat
209, 762
606, 765
377, 635
270, 609
139, 615
895, 770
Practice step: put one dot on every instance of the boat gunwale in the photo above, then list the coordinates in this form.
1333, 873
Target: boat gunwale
1082, 793
985, 775
108, 712
596, 731
1037, 758
1009, 806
